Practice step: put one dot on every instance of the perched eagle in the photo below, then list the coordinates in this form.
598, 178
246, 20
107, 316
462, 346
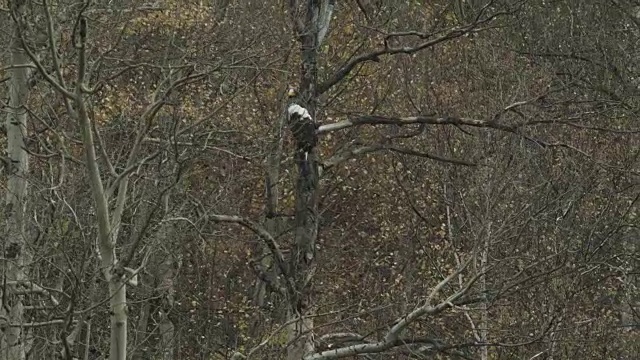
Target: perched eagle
303, 127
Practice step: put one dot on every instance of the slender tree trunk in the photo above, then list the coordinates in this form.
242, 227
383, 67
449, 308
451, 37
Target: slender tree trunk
483, 324
162, 269
141, 331
165, 277
107, 235
167, 332
15, 254
108, 228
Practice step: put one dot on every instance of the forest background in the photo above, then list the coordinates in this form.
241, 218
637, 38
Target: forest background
459, 179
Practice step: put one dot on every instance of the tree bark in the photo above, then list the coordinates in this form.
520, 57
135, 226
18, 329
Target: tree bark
107, 229
165, 275
107, 240
15, 253
481, 267
311, 31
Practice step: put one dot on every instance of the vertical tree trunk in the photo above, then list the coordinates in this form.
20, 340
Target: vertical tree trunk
165, 275
311, 30
162, 270
144, 341
483, 324
15, 253
167, 340
107, 235
108, 228
141, 331
306, 226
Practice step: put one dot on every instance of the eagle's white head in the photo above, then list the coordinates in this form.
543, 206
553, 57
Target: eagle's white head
297, 110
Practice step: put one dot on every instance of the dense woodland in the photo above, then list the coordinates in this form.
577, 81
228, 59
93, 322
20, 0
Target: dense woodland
320, 179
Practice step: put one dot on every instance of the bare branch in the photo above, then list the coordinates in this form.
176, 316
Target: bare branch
128, 171
427, 308
17, 66
580, 126
268, 240
348, 154
103, 150
324, 18
146, 122
29, 287
386, 50
53, 48
392, 338
191, 144
4, 322
402, 121
59, 87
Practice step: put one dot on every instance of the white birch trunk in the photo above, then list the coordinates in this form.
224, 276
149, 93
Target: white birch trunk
107, 235
108, 228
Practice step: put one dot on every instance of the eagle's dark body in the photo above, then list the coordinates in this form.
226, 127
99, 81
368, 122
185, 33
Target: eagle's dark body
303, 127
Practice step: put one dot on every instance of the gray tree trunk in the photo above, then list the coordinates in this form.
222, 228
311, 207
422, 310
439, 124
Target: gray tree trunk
15, 254
107, 235
481, 267
108, 228
165, 276
311, 30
